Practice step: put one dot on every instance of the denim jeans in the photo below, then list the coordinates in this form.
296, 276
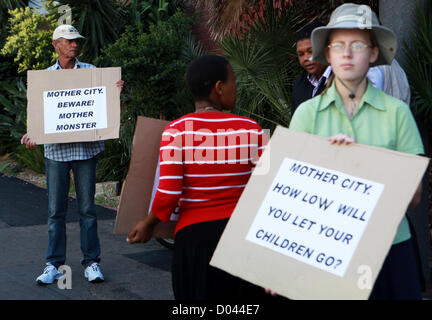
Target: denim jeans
58, 181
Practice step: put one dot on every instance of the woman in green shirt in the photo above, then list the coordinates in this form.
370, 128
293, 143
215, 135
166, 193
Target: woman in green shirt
351, 110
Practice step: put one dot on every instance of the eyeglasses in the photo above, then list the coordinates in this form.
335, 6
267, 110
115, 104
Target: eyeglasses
356, 46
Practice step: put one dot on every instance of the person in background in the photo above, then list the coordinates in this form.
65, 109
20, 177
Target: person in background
351, 110
206, 159
315, 75
395, 82
60, 159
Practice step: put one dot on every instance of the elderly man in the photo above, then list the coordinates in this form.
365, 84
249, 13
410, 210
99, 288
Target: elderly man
60, 158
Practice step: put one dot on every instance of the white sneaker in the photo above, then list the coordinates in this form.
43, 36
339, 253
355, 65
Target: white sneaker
93, 273
49, 275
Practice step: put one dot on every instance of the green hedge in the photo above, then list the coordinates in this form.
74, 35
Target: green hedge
153, 68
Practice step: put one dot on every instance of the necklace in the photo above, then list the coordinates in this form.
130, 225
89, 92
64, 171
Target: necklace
352, 97
207, 109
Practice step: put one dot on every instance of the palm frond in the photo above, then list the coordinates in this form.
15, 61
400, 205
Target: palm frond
229, 16
223, 14
265, 65
192, 49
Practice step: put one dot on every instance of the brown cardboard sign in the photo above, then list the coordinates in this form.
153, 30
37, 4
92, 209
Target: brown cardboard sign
73, 105
137, 188
320, 222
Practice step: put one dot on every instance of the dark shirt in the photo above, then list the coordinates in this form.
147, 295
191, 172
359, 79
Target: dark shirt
303, 90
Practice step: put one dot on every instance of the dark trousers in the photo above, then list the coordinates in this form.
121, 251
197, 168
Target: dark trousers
399, 277
192, 276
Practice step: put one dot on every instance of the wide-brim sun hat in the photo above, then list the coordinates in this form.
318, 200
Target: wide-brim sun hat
66, 31
353, 16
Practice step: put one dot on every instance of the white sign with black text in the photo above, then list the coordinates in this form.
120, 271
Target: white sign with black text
315, 215
320, 217
75, 110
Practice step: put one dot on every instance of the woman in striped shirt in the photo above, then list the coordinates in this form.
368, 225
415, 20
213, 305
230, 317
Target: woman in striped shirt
206, 159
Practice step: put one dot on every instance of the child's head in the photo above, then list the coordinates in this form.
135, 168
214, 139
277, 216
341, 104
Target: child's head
350, 52
211, 78
355, 39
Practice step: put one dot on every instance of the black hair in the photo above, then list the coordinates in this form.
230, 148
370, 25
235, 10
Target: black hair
306, 31
204, 72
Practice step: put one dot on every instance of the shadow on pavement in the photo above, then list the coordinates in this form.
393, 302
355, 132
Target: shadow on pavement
24, 204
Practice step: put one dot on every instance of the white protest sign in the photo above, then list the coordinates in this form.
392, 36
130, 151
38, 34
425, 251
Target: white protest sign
320, 222
75, 110
73, 105
315, 215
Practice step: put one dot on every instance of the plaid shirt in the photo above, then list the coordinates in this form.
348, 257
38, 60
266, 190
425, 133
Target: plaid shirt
76, 150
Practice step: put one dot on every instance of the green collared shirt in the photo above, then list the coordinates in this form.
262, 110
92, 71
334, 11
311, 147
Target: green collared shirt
381, 121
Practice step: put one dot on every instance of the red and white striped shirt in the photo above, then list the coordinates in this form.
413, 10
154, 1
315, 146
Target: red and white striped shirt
206, 160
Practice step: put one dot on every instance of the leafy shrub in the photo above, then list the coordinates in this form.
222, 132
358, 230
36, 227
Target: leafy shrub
13, 126
30, 39
5, 7
13, 106
113, 163
32, 158
144, 13
153, 68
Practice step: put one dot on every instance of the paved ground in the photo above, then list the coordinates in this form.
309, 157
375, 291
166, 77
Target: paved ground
132, 272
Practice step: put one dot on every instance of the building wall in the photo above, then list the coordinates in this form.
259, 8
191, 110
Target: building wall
397, 15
